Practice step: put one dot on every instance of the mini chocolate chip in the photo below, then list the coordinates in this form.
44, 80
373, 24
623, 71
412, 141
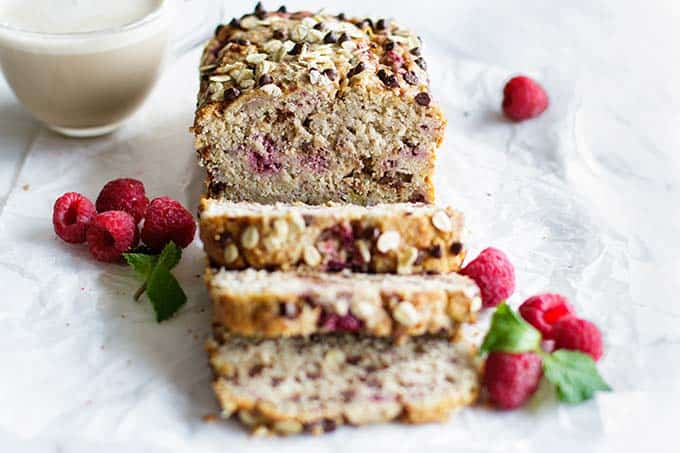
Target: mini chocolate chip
231, 93
235, 23
411, 78
255, 370
421, 62
367, 21
388, 79
353, 360
415, 51
343, 37
382, 24
357, 69
306, 145
261, 14
330, 38
242, 42
390, 45
419, 258
282, 9
259, 7
279, 34
417, 198
456, 248
328, 425
331, 73
320, 26
342, 16
436, 251
265, 79
288, 310
297, 49
218, 29
423, 99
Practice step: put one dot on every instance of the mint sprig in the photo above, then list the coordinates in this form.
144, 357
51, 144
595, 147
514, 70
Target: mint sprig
161, 287
573, 373
510, 333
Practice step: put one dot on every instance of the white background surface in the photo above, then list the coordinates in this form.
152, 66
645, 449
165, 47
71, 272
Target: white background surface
585, 201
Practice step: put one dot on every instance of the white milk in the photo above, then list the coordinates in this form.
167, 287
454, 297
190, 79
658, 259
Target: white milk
82, 66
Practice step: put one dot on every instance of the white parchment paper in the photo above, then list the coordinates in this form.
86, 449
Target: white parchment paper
583, 200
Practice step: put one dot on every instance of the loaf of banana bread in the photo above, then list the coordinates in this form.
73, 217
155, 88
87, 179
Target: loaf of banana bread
272, 304
314, 108
402, 238
290, 385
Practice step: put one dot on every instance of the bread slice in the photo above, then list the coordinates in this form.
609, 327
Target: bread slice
399, 238
291, 385
314, 108
272, 304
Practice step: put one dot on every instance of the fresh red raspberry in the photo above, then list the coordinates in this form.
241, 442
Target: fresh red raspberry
578, 334
167, 220
544, 310
111, 234
523, 98
494, 274
72, 214
124, 194
510, 379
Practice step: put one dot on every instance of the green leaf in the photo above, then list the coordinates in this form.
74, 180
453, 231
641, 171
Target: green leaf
510, 333
142, 263
164, 292
170, 255
161, 287
574, 375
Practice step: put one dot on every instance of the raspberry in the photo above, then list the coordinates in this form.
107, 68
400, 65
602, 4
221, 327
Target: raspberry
167, 220
72, 214
523, 98
111, 234
578, 334
544, 310
494, 274
124, 194
510, 379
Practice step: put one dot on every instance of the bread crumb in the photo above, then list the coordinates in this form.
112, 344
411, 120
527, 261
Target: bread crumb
210, 418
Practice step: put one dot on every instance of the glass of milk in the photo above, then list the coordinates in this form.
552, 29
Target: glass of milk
83, 66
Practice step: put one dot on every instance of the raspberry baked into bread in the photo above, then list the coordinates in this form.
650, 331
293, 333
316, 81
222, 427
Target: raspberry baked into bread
399, 238
290, 385
271, 304
313, 108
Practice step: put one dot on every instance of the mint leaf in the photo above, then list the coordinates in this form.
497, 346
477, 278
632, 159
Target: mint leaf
510, 333
141, 263
164, 292
170, 255
574, 375
161, 287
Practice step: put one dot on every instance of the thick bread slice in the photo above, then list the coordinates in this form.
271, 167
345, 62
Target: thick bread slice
272, 304
290, 385
402, 238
